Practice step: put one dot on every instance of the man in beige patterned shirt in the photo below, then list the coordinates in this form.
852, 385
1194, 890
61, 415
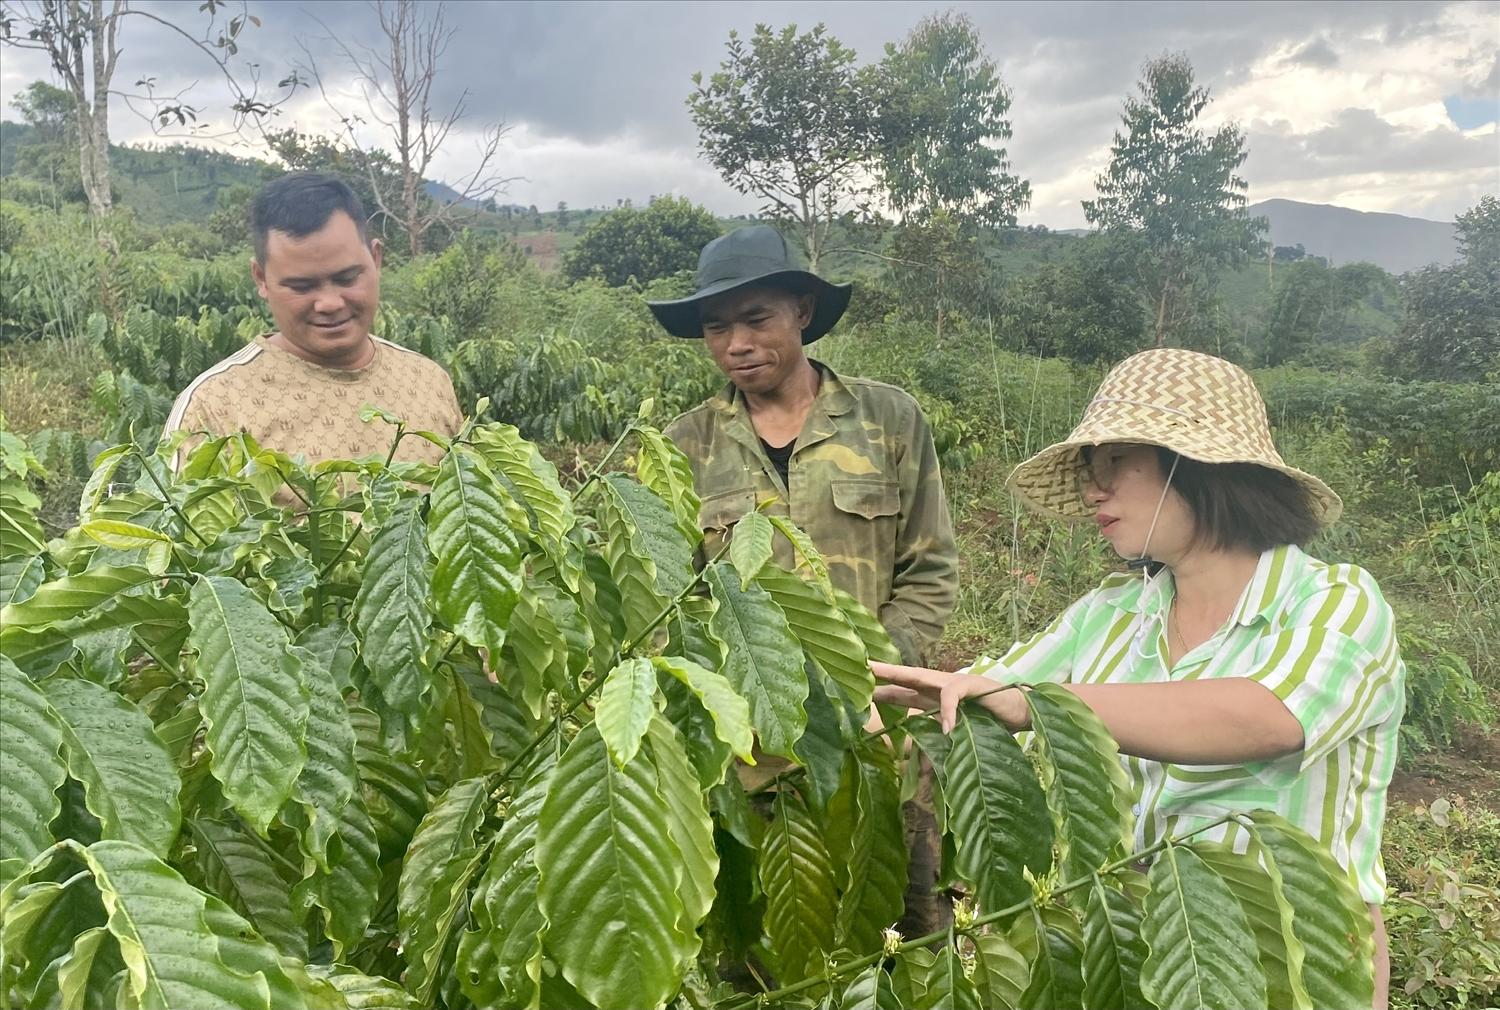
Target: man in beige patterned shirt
300, 389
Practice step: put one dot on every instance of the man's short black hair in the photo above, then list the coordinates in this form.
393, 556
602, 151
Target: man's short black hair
300, 203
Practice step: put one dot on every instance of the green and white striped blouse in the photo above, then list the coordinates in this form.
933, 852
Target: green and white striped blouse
1320, 636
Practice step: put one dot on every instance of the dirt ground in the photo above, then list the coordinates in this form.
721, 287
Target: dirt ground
1470, 769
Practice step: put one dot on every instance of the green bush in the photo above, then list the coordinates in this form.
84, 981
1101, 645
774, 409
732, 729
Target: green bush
1443, 918
13, 225
464, 282
642, 245
1442, 697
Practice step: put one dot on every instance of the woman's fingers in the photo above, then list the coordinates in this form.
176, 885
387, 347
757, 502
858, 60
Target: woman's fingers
917, 687
917, 677
953, 692
893, 694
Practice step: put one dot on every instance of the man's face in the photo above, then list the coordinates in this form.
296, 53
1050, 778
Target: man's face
322, 290
755, 336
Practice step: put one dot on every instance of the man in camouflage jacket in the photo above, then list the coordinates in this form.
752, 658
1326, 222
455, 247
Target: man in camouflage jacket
848, 460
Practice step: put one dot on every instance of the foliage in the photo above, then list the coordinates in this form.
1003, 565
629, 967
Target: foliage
1478, 232
1311, 303
940, 126
1444, 917
1442, 697
262, 759
788, 119
938, 268
464, 282
1449, 431
642, 245
1451, 323
1083, 307
1172, 187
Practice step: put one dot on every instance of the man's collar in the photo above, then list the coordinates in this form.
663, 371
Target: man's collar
833, 396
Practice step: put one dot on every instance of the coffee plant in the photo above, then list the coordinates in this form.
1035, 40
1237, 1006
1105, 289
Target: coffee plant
454, 736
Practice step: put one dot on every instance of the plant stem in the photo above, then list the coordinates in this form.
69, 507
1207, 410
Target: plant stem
577, 703
150, 651
146, 465
860, 964
348, 542
593, 476
315, 523
400, 433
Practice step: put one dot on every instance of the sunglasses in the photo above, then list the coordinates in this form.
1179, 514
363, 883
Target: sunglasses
1101, 466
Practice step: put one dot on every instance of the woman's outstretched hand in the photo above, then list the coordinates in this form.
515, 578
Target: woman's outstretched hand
920, 688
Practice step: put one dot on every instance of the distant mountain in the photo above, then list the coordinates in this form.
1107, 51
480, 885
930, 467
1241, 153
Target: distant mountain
443, 193
1391, 241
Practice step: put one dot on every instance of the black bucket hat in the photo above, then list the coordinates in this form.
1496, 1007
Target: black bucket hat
752, 256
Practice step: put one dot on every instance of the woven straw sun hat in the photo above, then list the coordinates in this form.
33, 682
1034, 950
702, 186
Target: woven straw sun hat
1197, 405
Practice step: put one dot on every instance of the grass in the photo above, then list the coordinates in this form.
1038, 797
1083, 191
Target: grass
48, 384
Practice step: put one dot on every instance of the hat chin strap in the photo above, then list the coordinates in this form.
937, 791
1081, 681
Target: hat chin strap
1144, 563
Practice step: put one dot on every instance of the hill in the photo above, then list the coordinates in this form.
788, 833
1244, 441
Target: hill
1393, 242
162, 184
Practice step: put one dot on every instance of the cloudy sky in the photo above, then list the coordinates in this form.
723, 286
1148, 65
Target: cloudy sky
1376, 106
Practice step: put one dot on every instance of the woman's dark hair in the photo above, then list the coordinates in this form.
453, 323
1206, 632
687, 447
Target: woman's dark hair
1241, 504
300, 203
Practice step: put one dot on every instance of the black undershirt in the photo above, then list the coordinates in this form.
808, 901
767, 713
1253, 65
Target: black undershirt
781, 458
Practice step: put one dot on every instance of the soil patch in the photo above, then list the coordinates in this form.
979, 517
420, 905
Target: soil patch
1471, 768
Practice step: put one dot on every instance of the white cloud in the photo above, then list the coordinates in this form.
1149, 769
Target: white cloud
596, 173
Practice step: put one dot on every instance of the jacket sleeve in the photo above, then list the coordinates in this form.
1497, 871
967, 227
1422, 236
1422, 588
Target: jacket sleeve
924, 582
454, 412
191, 412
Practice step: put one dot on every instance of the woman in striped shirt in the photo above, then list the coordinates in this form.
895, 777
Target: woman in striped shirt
1235, 671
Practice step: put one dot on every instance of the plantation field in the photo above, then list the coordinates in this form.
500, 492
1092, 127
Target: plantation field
97, 341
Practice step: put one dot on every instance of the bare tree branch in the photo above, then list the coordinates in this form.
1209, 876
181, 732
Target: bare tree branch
396, 91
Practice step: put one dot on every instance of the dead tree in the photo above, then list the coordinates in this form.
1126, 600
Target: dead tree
396, 84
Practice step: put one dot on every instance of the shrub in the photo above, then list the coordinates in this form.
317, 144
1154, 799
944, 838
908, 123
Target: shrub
642, 245
1443, 918
458, 736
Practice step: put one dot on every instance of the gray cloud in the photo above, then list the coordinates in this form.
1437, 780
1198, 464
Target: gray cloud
1360, 142
596, 90
1317, 53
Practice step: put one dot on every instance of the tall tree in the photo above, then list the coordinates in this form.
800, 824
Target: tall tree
1450, 326
1478, 230
50, 153
1171, 186
1311, 304
941, 127
81, 39
938, 267
396, 85
788, 118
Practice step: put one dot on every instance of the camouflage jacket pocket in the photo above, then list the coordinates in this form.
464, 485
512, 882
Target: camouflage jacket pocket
868, 498
723, 510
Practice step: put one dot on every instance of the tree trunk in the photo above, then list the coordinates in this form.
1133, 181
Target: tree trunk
1161, 317
414, 227
93, 113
